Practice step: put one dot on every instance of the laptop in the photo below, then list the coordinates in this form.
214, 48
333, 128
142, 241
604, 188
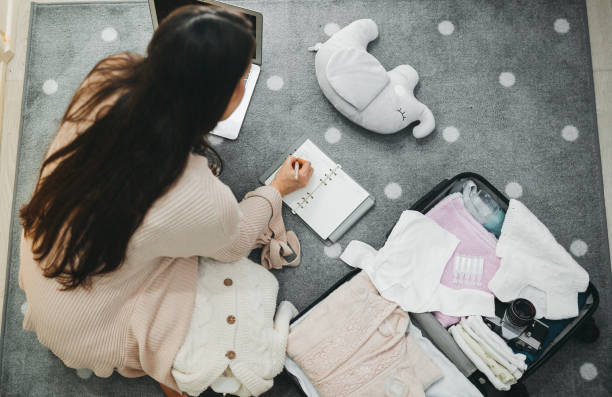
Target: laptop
229, 128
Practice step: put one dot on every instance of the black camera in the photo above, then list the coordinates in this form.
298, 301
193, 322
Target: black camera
519, 327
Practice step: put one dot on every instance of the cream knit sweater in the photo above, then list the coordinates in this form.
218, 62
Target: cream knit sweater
236, 342
135, 319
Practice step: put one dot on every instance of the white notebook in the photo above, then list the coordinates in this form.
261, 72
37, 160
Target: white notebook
331, 197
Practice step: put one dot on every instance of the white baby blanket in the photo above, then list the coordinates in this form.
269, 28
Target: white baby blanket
535, 267
408, 268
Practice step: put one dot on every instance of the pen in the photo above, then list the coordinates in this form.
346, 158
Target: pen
296, 167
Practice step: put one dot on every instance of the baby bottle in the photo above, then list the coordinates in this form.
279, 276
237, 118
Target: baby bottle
483, 208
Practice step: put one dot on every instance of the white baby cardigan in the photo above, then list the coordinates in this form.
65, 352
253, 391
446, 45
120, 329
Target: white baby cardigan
534, 266
233, 330
408, 268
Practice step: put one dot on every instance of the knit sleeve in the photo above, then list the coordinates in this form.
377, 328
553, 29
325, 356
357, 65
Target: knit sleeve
200, 216
257, 222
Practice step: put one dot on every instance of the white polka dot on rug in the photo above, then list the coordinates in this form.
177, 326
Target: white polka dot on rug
450, 134
84, 373
393, 191
569, 133
331, 28
24, 307
446, 28
588, 371
109, 34
514, 190
578, 247
333, 251
507, 79
275, 83
561, 25
50, 87
333, 135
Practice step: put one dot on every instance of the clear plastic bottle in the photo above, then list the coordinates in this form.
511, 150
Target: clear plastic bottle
483, 208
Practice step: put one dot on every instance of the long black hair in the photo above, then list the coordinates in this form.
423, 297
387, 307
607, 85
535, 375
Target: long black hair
100, 185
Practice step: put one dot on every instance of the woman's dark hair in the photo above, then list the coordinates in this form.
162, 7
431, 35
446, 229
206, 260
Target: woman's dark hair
100, 186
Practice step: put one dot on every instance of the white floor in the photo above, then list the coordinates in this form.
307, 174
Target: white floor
600, 29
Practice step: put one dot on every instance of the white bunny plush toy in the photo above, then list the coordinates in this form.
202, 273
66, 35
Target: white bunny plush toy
361, 89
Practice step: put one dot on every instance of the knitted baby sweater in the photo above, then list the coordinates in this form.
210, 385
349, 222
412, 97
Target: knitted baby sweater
234, 331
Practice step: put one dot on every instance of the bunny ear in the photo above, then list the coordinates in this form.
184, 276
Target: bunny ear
356, 76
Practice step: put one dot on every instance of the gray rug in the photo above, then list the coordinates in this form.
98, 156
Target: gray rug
536, 138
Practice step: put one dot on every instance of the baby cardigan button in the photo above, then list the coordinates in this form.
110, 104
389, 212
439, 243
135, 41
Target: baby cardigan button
231, 319
230, 354
228, 282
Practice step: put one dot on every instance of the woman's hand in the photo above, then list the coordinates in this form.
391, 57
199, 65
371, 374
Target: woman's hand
285, 181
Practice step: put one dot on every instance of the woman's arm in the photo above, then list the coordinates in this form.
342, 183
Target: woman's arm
200, 216
247, 221
259, 221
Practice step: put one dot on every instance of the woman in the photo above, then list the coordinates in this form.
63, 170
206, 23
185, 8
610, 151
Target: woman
124, 208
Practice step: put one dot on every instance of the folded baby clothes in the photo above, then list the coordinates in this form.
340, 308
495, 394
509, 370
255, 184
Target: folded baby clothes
408, 268
474, 261
535, 267
495, 345
354, 343
488, 352
452, 384
500, 378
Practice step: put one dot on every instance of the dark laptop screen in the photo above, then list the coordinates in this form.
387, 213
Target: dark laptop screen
164, 7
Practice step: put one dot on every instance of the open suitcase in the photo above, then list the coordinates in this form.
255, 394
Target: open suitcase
582, 326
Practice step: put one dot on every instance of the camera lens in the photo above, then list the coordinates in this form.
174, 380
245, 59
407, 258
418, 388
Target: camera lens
520, 312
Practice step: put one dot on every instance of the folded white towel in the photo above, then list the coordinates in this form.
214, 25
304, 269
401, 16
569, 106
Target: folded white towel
495, 346
536, 267
495, 342
489, 367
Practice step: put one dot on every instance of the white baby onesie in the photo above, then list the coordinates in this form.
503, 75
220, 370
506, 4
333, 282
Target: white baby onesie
408, 268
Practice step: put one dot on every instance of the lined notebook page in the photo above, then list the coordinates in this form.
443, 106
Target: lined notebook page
330, 196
